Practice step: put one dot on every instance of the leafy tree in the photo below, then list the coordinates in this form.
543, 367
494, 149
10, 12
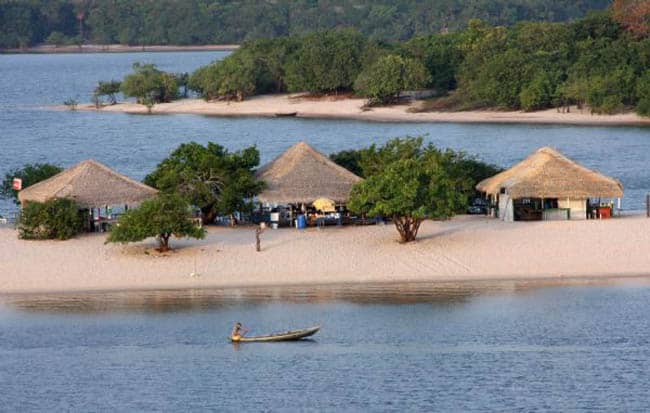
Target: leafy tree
350, 160
108, 89
54, 219
211, 178
384, 81
160, 217
326, 62
29, 174
408, 191
643, 93
57, 39
148, 84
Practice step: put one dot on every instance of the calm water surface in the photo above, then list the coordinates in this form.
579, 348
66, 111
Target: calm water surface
134, 144
503, 347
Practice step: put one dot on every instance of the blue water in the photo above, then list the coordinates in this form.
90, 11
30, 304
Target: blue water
574, 348
134, 144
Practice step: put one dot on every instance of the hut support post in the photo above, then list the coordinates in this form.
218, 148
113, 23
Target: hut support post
618, 205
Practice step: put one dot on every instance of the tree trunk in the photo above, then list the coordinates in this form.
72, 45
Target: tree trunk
233, 220
163, 242
258, 242
208, 216
407, 227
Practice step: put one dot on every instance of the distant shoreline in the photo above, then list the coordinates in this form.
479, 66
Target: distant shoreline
300, 106
119, 48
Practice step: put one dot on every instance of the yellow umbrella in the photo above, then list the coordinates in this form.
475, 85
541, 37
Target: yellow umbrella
324, 204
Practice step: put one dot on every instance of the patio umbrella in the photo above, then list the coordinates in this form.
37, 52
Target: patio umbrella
324, 204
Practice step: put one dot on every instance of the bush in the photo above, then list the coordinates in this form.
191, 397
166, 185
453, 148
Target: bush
643, 94
54, 219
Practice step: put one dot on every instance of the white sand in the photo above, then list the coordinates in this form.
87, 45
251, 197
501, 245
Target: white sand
465, 248
351, 108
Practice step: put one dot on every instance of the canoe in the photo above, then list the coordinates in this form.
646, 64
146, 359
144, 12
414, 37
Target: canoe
285, 114
285, 336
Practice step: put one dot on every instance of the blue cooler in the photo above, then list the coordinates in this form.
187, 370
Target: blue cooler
301, 222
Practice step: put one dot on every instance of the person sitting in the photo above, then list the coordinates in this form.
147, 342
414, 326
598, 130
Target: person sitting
238, 332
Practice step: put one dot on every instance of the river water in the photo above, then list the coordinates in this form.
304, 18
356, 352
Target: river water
491, 347
134, 144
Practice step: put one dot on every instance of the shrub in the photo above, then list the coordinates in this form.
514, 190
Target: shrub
54, 219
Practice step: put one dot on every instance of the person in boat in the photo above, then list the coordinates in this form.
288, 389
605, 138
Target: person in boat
238, 332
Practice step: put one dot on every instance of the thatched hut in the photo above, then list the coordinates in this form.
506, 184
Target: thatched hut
91, 185
547, 185
302, 175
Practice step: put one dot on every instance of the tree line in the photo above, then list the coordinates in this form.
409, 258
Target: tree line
598, 61
190, 22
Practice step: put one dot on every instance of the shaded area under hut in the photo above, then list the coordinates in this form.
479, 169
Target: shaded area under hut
304, 187
100, 191
549, 186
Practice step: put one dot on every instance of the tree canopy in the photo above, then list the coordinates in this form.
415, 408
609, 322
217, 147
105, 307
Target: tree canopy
411, 189
210, 177
384, 80
150, 85
29, 174
189, 22
160, 217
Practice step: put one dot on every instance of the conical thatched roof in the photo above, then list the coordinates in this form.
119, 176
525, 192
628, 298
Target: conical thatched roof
549, 174
302, 175
90, 184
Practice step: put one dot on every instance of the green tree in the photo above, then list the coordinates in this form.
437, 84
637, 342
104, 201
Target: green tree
210, 177
148, 84
643, 93
383, 81
54, 219
408, 191
108, 89
326, 62
29, 174
160, 217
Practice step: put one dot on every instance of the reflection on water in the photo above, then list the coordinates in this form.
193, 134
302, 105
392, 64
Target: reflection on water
176, 300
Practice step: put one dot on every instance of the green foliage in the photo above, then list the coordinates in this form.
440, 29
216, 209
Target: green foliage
57, 39
643, 93
441, 55
159, 217
209, 177
186, 22
326, 62
55, 219
29, 174
149, 85
410, 190
350, 160
383, 81
108, 89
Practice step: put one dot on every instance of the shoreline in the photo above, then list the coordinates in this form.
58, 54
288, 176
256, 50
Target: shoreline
298, 106
119, 48
461, 250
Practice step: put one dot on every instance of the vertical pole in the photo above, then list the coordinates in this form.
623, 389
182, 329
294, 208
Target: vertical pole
647, 203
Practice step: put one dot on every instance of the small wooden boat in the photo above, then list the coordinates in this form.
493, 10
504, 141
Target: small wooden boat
285, 114
286, 336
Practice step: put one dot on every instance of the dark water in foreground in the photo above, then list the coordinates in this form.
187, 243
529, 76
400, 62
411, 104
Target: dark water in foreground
134, 144
498, 347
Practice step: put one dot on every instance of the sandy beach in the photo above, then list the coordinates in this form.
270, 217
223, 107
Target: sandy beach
352, 108
465, 248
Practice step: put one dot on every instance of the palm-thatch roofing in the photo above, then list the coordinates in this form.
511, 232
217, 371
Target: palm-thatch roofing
548, 174
91, 184
302, 175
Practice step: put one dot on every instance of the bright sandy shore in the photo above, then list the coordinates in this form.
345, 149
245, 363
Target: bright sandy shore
352, 108
465, 248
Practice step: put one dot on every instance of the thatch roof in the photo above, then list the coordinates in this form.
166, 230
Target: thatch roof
548, 174
90, 184
302, 175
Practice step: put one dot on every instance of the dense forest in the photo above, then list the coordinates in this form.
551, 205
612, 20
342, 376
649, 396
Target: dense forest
601, 61
27, 22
